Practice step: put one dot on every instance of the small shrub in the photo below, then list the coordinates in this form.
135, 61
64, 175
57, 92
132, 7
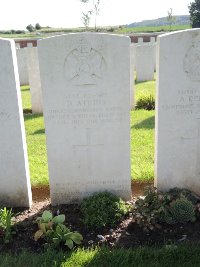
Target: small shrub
180, 211
6, 225
146, 102
53, 230
175, 206
102, 209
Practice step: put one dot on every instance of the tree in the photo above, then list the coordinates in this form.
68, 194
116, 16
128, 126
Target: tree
171, 19
86, 18
95, 11
37, 26
194, 10
30, 28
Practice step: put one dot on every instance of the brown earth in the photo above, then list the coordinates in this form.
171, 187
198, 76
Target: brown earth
125, 234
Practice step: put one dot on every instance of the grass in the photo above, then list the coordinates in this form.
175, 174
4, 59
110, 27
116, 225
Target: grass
142, 139
179, 256
144, 88
142, 145
37, 154
153, 29
26, 97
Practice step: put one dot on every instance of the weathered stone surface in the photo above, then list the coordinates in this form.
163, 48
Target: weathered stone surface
178, 111
86, 99
15, 190
34, 79
145, 62
22, 66
132, 81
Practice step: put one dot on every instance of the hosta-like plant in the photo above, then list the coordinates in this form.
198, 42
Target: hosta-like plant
53, 230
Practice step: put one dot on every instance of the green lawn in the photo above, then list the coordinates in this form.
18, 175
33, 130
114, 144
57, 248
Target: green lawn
171, 256
26, 97
153, 29
142, 139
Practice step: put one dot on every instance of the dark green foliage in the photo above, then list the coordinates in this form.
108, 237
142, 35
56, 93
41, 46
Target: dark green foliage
175, 206
102, 209
180, 211
194, 10
30, 28
37, 26
6, 225
146, 102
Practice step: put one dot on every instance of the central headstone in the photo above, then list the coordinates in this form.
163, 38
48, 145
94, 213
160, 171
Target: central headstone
86, 96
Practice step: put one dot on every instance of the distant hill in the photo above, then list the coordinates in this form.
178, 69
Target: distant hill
179, 20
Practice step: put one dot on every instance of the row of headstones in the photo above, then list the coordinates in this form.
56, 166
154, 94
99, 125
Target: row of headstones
86, 91
29, 73
142, 60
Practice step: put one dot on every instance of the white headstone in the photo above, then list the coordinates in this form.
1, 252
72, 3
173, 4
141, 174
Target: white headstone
29, 45
145, 62
22, 66
17, 45
140, 40
34, 79
178, 111
132, 81
15, 190
152, 39
86, 98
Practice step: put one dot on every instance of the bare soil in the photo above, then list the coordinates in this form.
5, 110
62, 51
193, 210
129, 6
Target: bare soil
126, 234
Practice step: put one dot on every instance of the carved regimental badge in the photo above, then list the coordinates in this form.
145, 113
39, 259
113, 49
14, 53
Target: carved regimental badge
84, 65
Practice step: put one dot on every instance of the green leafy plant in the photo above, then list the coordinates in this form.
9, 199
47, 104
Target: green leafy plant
180, 211
175, 206
147, 210
102, 209
6, 225
146, 102
53, 230
62, 235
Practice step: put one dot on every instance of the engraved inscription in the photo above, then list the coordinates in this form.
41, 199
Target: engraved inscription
84, 65
188, 103
191, 62
84, 110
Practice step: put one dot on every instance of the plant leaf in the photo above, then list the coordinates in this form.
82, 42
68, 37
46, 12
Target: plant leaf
42, 227
37, 235
77, 238
47, 216
59, 219
69, 243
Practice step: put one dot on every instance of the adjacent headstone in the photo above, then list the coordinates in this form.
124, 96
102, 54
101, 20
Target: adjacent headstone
15, 190
86, 97
140, 40
17, 45
132, 81
34, 80
152, 39
145, 62
22, 66
29, 45
178, 111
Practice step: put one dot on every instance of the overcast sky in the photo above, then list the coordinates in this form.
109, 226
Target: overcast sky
17, 14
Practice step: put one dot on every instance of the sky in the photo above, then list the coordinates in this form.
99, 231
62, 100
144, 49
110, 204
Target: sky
17, 14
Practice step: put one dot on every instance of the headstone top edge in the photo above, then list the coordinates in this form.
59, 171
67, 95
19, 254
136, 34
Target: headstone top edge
41, 41
176, 33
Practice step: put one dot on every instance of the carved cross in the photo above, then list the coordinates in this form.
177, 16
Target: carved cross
88, 147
